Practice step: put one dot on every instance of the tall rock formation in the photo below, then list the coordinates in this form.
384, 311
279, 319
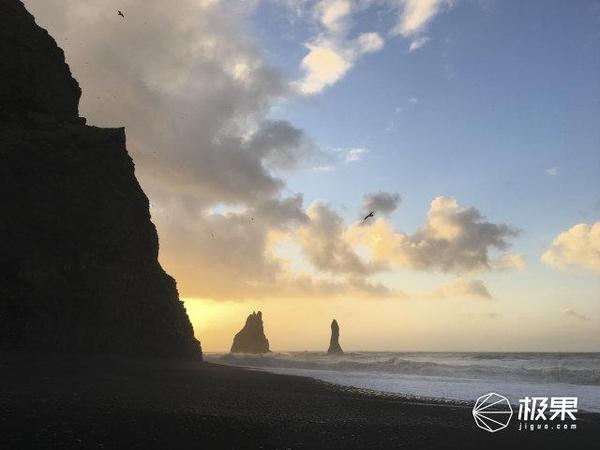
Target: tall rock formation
251, 338
79, 267
334, 342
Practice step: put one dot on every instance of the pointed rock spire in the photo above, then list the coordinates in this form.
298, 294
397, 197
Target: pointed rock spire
334, 344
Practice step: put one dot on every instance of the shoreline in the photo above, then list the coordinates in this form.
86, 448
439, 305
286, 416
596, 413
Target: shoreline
405, 398
433, 380
112, 402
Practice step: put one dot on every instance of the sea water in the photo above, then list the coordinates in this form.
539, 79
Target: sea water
448, 376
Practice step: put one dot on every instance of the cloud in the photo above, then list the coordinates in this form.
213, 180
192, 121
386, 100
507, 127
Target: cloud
329, 59
323, 66
418, 43
280, 145
413, 100
453, 239
465, 288
459, 288
232, 256
414, 15
508, 261
322, 240
326, 168
332, 53
552, 171
578, 247
369, 43
381, 202
575, 315
333, 14
413, 18
355, 154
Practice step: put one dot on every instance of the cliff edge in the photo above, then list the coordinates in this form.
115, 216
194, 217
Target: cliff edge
79, 268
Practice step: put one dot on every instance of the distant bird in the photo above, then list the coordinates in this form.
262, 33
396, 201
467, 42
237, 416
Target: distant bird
371, 214
120, 14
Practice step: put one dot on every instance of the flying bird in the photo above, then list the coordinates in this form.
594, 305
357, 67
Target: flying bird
120, 14
371, 214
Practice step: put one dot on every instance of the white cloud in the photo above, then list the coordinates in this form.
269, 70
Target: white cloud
413, 18
418, 43
329, 59
355, 154
578, 247
324, 65
552, 171
453, 239
413, 100
333, 52
334, 14
416, 14
369, 43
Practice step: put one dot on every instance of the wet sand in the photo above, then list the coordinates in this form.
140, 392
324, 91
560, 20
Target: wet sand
110, 402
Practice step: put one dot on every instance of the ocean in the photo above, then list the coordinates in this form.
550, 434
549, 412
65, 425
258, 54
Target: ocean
447, 376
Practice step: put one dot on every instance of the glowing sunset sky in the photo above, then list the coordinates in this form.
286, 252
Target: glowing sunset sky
263, 131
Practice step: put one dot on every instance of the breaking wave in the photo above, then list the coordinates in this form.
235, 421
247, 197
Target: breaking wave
571, 368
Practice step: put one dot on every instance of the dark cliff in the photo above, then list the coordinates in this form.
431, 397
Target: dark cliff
79, 267
334, 342
251, 338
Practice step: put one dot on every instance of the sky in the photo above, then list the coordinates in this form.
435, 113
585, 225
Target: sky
264, 131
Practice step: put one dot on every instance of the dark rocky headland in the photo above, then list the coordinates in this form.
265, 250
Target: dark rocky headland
251, 338
78, 252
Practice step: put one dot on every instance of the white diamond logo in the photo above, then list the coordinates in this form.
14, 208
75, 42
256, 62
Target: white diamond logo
492, 412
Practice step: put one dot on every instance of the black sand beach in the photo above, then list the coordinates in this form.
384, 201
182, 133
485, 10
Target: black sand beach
109, 402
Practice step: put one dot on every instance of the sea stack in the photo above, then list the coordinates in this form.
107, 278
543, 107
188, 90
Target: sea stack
251, 338
334, 342
79, 268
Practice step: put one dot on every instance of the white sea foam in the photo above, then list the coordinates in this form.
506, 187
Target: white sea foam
452, 376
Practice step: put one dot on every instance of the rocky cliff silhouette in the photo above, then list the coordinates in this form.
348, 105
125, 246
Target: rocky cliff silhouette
251, 338
78, 251
334, 342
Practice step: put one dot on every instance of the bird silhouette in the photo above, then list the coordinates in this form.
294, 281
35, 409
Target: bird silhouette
120, 14
371, 214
